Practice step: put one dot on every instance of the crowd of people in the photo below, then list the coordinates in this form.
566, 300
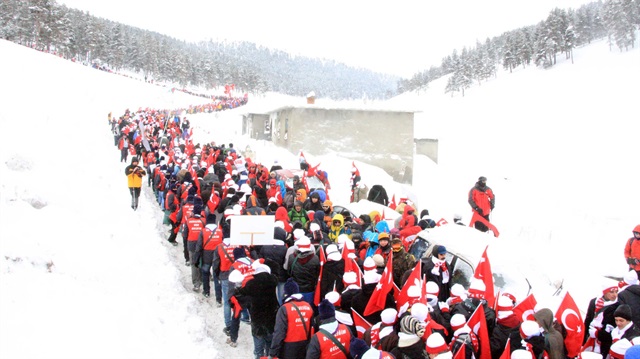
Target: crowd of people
332, 285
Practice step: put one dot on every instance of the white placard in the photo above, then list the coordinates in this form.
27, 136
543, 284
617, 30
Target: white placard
252, 230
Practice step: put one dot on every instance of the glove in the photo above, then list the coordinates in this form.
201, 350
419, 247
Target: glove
631, 261
593, 331
608, 328
480, 212
444, 306
492, 205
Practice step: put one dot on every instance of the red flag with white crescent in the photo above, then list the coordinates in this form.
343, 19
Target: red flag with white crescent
385, 285
478, 323
414, 279
360, 323
484, 273
525, 309
568, 314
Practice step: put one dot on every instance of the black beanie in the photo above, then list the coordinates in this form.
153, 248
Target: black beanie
239, 253
326, 310
290, 288
623, 311
358, 347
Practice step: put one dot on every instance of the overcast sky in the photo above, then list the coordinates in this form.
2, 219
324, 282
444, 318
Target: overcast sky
400, 37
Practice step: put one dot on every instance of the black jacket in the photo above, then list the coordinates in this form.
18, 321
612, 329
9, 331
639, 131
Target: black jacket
263, 303
360, 300
305, 271
332, 272
277, 254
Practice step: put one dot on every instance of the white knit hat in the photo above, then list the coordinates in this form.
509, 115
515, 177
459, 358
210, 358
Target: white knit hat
332, 253
371, 277
389, 316
314, 227
432, 288
369, 264
304, 244
457, 321
529, 328
457, 290
297, 233
420, 311
333, 297
521, 354
350, 278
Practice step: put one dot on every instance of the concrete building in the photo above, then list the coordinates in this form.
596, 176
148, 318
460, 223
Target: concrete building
382, 138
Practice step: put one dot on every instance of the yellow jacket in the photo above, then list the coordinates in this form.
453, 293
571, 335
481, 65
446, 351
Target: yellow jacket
134, 178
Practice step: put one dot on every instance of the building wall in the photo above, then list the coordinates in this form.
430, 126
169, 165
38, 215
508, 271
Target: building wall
427, 147
257, 126
382, 138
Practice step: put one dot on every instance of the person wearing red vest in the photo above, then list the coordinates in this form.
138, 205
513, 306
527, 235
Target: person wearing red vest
223, 258
208, 241
171, 208
333, 339
185, 212
293, 327
192, 229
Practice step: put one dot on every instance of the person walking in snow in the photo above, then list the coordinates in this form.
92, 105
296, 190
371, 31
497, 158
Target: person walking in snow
123, 146
482, 200
134, 180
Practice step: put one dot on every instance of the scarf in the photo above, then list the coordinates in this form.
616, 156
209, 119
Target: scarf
440, 268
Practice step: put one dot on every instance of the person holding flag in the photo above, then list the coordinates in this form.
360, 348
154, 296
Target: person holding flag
482, 201
507, 324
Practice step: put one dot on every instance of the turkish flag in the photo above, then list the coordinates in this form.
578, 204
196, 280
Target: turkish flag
478, 323
461, 353
313, 170
323, 260
569, 315
506, 354
525, 309
414, 279
379, 297
360, 323
483, 272
392, 204
478, 218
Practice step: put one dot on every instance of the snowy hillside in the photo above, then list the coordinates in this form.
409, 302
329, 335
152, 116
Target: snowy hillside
90, 278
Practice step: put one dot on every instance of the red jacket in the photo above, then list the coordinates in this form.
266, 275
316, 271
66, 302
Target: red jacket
482, 198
